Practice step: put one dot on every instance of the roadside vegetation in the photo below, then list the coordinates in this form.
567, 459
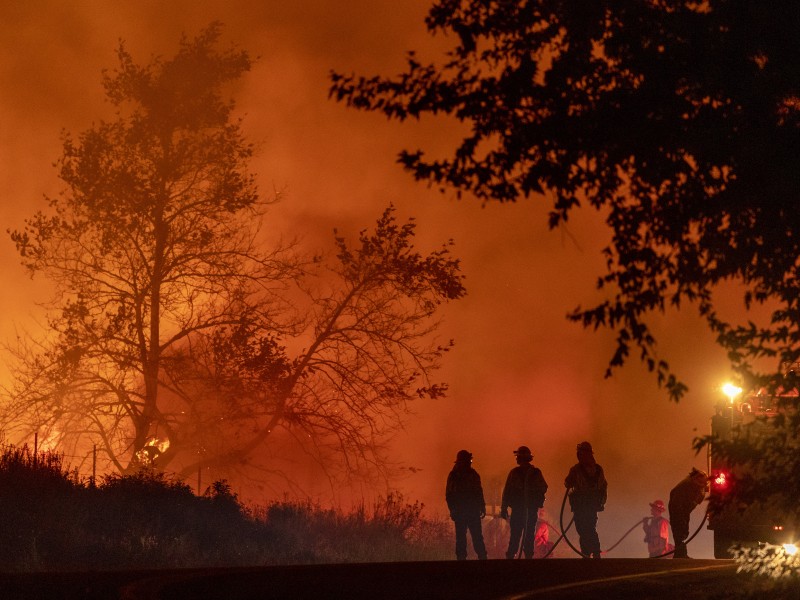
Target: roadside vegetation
54, 520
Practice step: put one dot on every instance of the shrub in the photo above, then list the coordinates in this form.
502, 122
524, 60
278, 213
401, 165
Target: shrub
52, 521
37, 499
301, 532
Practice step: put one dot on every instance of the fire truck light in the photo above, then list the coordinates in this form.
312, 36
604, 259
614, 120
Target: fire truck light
731, 391
790, 549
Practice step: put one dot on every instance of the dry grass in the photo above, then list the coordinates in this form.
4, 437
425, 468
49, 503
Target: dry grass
53, 521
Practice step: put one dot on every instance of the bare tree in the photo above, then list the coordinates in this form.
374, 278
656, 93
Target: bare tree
169, 329
366, 350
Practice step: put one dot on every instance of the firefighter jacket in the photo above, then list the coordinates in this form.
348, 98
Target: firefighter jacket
589, 487
685, 496
525, 489
656, 535
464, 493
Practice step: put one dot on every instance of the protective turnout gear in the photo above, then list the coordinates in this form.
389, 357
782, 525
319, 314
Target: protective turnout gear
589, 487
524, 494
587, 497
524, 452
542, 544
656, 531
464, 456
683, 499
464, 497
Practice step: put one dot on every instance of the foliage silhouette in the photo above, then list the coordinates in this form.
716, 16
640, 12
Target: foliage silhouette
51, 522
678, 121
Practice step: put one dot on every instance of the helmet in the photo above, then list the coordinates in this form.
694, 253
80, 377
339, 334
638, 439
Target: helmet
524, 452
464, 456
698, 473
585, 447
658, 505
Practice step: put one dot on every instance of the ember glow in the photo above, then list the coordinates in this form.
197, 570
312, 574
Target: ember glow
519, 373
151, 450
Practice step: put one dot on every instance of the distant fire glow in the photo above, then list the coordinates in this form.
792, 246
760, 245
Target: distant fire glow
721, 481
520, 372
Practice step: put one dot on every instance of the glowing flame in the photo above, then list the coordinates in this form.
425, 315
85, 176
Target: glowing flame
50, 440
790, 549
152, 449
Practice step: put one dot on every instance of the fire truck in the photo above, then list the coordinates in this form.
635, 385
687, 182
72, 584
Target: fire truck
744, 414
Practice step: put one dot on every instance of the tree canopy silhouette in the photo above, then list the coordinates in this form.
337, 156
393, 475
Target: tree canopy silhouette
181, 336
678, 121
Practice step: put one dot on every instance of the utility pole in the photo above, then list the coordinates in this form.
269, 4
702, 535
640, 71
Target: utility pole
94, 463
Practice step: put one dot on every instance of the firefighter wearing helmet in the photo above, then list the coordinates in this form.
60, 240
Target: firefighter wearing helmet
683, 499
587, 496
524, 495
656, 531
464, 497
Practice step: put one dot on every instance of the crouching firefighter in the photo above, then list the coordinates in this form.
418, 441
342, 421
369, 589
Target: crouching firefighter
464, 496
524, 495
683, 499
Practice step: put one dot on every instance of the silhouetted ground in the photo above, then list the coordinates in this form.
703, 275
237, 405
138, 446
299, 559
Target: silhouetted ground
494, 579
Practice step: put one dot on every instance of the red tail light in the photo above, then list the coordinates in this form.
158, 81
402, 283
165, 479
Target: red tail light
720, 482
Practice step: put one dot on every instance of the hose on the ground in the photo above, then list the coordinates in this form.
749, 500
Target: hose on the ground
564, 532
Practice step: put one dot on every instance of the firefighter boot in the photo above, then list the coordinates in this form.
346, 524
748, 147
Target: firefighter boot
680, 550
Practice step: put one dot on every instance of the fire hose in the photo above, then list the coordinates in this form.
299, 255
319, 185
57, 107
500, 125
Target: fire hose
691, 537
553, 547
560, 537
564, 532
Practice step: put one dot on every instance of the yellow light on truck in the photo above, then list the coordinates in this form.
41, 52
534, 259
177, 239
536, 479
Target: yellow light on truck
731, 391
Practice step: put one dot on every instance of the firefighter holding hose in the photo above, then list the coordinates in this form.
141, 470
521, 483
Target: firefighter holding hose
656, 531
683, 499
588, 491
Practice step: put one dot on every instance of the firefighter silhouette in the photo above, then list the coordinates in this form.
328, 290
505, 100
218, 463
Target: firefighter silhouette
588, 491
495, 536
683, 499
656, 531
464, 496
523, 493
541, 543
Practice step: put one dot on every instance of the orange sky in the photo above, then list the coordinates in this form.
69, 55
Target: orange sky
520, 372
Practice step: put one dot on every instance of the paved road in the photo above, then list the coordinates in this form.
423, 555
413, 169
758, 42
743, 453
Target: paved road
490, 580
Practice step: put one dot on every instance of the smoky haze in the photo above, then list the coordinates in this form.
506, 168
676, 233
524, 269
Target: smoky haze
520, 372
